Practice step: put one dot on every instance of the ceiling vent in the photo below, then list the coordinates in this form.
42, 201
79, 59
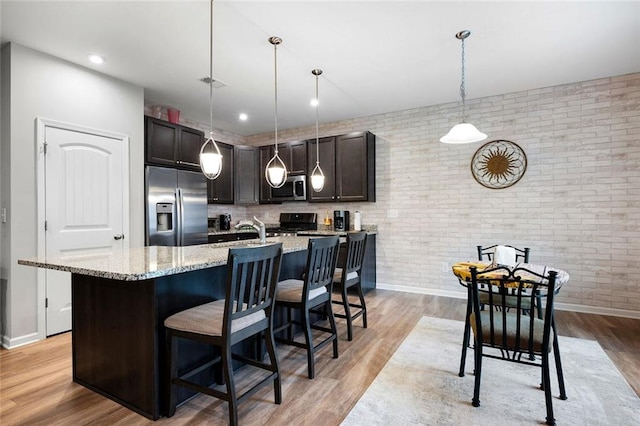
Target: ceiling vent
217, 84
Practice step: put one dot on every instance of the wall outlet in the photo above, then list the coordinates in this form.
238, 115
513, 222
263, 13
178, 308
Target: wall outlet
393, 214
444, 267
4, 215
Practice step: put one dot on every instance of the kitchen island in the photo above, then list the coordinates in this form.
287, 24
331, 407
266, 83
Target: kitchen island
120, 301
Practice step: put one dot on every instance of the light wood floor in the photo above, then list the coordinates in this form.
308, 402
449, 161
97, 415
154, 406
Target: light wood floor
36, 386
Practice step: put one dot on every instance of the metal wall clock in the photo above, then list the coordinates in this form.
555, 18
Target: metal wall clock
498, 164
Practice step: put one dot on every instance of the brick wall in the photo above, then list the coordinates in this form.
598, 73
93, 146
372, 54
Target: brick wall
577, 206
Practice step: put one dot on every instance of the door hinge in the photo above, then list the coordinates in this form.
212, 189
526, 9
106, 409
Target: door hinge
46, 302
44, 146
46, 225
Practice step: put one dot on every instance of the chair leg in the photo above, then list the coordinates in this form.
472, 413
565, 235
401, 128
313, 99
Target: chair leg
273, 357
172, 369
227, 367
334, 328
477, 352
347, 313
465, 341
306, 325
362, 304
546, 381
556, 356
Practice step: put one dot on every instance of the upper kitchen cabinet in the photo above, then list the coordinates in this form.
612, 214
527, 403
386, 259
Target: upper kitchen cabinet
220, 190
348, 163
294, 156
173, 145
247, 174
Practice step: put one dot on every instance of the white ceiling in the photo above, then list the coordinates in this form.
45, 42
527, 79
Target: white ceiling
377, 56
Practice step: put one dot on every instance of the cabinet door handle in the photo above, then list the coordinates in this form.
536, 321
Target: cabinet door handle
118, 237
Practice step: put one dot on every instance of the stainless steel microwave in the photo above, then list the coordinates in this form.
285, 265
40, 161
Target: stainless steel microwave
294, 189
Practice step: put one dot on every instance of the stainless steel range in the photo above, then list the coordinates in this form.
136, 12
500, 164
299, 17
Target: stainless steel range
291, 223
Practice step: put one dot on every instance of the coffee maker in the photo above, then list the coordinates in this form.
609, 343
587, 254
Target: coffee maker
341, 220
225, 222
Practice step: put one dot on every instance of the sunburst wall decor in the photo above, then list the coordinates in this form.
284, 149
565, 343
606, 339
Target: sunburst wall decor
498, 164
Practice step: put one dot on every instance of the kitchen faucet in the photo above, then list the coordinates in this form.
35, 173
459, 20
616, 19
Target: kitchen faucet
262, 231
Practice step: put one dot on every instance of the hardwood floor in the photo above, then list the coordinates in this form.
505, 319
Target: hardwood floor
36, 386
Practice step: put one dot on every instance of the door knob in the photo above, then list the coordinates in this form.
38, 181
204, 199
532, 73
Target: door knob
118, 237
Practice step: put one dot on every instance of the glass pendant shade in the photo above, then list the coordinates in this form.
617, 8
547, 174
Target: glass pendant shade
276, 172
463, 133
210, 159
317, 179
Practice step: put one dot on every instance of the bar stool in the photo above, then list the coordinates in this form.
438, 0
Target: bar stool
246, 311
350, 276
311, 295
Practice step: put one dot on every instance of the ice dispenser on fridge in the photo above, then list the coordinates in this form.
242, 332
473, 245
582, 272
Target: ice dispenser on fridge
164, 216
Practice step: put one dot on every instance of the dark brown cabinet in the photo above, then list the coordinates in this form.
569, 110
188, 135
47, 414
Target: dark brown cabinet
173, 145
348, 163
220, 190
247, 174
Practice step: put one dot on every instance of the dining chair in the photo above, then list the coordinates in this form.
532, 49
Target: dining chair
348, 275
310, 295
245, 312
486, 253
509, 334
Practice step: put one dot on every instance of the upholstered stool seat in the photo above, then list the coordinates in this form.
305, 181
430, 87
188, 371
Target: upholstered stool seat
207, 319
291, 291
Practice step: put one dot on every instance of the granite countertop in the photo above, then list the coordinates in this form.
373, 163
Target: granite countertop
141, 263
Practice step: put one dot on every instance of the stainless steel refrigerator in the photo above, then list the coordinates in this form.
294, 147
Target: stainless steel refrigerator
176, 207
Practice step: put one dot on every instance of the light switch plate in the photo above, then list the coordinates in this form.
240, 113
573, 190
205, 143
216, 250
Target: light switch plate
392, 214
4, 215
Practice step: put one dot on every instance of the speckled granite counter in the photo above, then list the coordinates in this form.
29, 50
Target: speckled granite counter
143, 263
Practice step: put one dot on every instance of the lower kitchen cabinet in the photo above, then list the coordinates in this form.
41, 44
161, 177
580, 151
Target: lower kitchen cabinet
220, 190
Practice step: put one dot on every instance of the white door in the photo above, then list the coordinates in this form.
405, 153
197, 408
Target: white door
84, 207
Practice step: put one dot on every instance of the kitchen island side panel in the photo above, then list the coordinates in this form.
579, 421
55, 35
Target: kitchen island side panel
119, 345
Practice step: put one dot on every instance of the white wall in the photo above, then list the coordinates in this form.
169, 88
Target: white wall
577, 206
48, 87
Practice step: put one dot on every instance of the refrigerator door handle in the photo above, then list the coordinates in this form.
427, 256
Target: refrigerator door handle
179, 217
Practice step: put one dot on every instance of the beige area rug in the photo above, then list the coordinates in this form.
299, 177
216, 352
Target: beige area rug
420, 386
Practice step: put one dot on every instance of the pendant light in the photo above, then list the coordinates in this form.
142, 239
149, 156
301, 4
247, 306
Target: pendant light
317, 176
210, 157
276, 171
463, 132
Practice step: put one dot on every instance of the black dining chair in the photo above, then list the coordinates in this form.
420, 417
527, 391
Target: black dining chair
246, 311
485, 253
348, 275
310, 295
505, 334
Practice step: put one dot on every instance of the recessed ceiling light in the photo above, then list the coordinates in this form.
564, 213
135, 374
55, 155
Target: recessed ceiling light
96, 59
243, 117
314, 102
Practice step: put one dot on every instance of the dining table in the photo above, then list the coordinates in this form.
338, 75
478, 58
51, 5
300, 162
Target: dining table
462, 270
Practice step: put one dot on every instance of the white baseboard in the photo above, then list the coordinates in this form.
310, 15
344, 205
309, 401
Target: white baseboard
559, 306
12, 343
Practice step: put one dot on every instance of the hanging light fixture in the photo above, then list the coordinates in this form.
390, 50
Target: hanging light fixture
210, 157
276, 171
463, 132
317, 176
